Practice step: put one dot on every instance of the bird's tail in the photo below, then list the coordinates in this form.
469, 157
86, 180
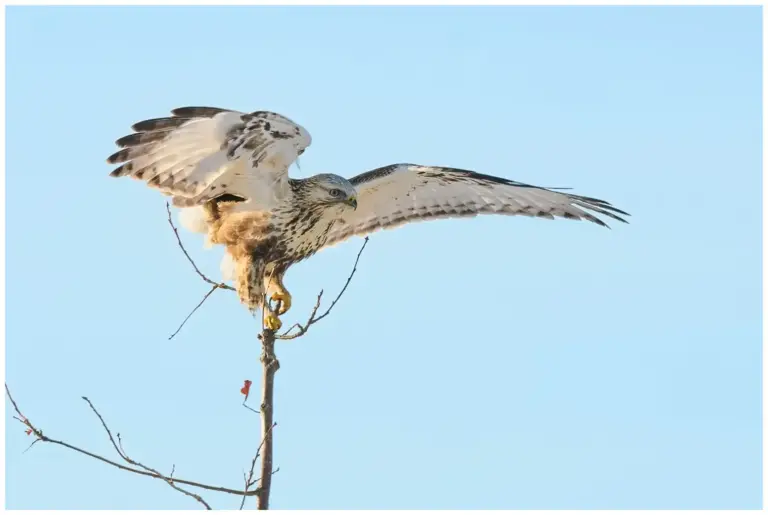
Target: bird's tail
248, 277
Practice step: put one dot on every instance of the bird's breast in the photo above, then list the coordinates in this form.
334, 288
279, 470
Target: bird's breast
306, 233
283, 236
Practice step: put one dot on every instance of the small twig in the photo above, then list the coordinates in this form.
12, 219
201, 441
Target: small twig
39, 434
21, 418
181, 245
119, 448
170, 482
254, 481
248, 407
214, 285
312, 319
213, 289
30, 445
104, 425
249, 481
120, 443
303, 328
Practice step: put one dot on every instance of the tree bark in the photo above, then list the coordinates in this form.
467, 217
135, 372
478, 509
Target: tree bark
271, 365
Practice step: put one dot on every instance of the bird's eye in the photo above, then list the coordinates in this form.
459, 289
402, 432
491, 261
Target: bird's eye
336, 192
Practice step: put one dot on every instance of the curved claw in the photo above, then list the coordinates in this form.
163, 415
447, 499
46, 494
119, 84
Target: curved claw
271, 322
285, 301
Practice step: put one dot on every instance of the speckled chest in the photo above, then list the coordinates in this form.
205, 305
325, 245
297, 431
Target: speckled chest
300, 233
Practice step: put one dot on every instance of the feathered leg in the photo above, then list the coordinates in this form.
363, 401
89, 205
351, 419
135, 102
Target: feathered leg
249, 283
276, 291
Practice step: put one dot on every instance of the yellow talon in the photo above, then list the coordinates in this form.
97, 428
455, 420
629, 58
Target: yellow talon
285, 301
272, 323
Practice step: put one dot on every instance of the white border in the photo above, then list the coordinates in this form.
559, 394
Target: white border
390, 2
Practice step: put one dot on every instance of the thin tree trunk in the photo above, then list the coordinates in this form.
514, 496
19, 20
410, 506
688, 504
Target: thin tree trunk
269, 360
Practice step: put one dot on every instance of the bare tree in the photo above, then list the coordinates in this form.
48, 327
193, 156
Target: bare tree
270, 365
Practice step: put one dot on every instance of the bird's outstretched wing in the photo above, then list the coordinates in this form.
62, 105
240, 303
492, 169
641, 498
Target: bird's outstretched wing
394, 195
201, 153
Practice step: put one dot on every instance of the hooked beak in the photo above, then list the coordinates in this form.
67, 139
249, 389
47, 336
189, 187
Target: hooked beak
352, 201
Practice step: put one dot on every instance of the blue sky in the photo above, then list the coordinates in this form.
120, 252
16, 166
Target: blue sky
488, 363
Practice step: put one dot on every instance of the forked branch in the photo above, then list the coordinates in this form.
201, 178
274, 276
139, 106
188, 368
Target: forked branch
135, 466
313, 318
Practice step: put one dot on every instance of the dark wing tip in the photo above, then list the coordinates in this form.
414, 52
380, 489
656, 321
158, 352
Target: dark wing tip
603, 212
179, 117
595, 220
159, 123
601, 203
129, 140
197, 111
117, 157
122, 170
609, 207
141, 138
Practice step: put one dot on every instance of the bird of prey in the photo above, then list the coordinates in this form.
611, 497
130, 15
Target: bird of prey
228, 172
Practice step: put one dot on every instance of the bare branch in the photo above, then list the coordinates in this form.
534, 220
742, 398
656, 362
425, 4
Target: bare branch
30, 445
41, 437
213, 289
104, 425
248, 407
312, 317
181, 245
169, 480
125, 457
214, 285
21, 418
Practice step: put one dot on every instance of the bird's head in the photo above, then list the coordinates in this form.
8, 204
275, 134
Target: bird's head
333, 190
